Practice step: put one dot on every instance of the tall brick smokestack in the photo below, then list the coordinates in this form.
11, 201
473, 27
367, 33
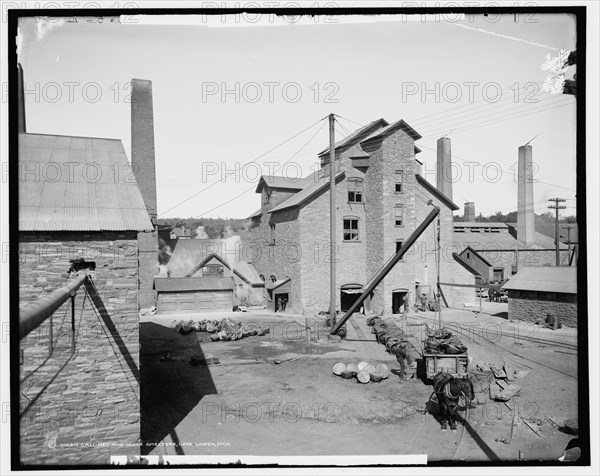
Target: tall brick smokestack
21, 126
444, 167
525, 216
142, 142
144, 168
469, 211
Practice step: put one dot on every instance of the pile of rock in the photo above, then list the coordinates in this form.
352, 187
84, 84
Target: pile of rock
363, 371
225, 330
441, 341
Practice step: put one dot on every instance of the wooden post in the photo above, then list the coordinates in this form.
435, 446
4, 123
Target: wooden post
332, 218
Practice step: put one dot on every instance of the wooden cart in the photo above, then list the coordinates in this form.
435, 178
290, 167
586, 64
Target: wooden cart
456, 365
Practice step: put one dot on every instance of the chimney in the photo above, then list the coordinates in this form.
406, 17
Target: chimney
444, 167
142, 142
469, 211
21, 98
525, 217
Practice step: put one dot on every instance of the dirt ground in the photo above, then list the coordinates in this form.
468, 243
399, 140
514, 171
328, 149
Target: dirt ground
277, 395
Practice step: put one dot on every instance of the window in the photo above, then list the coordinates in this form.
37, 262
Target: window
273, 278
399, 215
398, 246
355, 190
262, 277
399, 180
270, 196
350, 229
212, 270
272, 233
468, 255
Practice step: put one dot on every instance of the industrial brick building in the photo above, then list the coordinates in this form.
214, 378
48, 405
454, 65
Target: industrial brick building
381, 198
535, 295
81, 388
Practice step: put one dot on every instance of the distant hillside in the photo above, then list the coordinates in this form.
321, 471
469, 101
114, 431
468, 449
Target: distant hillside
213, 227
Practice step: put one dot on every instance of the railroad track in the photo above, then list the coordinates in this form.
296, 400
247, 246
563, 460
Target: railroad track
475, 332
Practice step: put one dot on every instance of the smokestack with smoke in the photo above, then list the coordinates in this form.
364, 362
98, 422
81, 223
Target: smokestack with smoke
164, 256
230, 244
201, 233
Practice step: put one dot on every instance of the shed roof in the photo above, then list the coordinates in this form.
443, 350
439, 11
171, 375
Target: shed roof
436, 193
482, 258
459, 259
70, 183
279, 181
194, 284
277, 284
481, 224
556, 279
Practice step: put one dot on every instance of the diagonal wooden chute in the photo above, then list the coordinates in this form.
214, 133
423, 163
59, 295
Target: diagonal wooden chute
387, 268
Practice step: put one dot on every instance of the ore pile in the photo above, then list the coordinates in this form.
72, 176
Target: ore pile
225, 330
441, 341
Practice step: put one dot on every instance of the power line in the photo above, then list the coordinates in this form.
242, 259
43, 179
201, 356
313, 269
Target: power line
253, 160
252, 187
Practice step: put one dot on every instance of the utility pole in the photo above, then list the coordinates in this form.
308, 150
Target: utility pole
437, 258
332, 218
569, 228
557, 207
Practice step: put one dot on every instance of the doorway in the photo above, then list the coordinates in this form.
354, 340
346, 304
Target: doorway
349, 293
399, 301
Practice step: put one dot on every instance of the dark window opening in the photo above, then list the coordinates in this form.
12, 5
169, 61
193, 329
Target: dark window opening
399, 215
80, 264
398, 187
262, 277
350, 229
355, 190
212, 270
273, 278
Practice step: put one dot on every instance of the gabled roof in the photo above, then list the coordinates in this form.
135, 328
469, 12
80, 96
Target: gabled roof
189, 254
465, 265
242, 269
401, 124
194, 284
73, 187
278, 181
436, 193
476, 254
317, 181
357, 134
552, 279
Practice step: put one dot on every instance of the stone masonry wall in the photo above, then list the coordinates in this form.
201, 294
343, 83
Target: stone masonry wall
531, 309
80, 408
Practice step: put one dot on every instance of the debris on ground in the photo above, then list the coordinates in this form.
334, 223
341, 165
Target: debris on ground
225, 330
206, 359
151, 311
363, 371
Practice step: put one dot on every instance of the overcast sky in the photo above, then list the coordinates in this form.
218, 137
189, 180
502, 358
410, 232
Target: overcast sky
284, 75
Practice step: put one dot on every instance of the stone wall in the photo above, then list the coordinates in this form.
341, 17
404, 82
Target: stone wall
534, 306
81, 407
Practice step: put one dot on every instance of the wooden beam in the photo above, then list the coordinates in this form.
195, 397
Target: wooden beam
388, 267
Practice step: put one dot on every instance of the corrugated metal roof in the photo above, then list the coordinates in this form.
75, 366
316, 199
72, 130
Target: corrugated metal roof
552, 279
317, 181
193, 284
71, 183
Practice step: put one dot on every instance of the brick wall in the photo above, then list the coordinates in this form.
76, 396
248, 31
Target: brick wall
89, 399
532, 309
